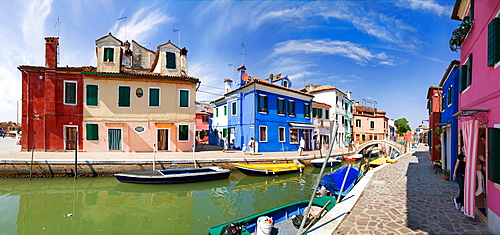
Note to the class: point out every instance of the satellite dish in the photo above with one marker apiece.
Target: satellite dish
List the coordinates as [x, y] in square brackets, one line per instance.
[244, 77]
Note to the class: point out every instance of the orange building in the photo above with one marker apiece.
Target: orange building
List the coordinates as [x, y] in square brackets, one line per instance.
[369, 124]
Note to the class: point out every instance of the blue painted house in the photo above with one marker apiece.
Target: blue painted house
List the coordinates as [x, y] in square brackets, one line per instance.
[268, 110]
[449, 125]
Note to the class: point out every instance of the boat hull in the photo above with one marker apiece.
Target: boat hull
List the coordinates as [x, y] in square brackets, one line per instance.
[268, 169]
[330, 163]
[279, 214]
[174, 176]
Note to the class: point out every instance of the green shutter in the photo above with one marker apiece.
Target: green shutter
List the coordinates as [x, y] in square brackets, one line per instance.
[170, 60]
[463, 77]
[70, 93]
[109, 54]
[224, 132]
[92, 94]
[494, 155]
[184, 98]
[154, 97]
[469, 71]
[233, 108]
[124, 96]
[494, 42]
[183, 132]
[92, 131]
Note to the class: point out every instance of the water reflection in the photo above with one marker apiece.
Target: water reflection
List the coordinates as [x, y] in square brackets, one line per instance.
[104, 205]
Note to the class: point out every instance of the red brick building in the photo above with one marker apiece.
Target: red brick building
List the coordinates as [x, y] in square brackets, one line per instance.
[51, 106]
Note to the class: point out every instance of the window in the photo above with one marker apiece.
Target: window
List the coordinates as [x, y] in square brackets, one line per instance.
[281, 106]
[225, 110]
[307, 110]
[372, 124]
[327, 113]
[320, 113]
[343, 120]
[123, 96]
[494, 42]
[285, 83]
[171, 60]
[493, 154]
[466, 74]
[281, 134]
[92, 131]
[224, 133]
[204, 118]
[216, 112]
[70, 92]
[109, 54]
[183, 132]
[233, 108]
[291, 108]
[262, 105]
[184, 98]
[358, 122]
[154, 97]
[92, 95]
[294, 136]
[139, 129]
[315, 112]
[263, 134]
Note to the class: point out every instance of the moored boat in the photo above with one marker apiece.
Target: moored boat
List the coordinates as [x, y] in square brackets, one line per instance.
[174, 175]
[269, 169]
[354, 157]
[331, 162]
[283, 219]
[337, 182]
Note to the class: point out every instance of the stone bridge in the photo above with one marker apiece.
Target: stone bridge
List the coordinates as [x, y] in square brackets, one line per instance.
[390, 144]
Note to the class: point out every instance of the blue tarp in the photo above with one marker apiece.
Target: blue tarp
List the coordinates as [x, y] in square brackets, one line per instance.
[333, 181]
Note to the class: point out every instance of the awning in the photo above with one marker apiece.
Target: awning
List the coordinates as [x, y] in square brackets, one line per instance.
[301, 125]
[469, 112]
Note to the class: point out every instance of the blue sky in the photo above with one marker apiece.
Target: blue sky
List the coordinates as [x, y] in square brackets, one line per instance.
[385, 51]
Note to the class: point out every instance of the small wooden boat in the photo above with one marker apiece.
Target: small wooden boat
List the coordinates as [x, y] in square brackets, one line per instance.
[282, 218]
[334, 182]
[354, 157]
[379, 161]
[269, 169]
[174, 175]
[331, 162]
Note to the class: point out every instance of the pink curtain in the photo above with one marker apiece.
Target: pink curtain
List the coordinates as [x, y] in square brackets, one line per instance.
[470, 131]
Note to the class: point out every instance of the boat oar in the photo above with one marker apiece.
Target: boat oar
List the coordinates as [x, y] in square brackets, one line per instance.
[316, 217]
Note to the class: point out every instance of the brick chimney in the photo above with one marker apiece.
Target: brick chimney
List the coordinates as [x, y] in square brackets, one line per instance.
[51, 44]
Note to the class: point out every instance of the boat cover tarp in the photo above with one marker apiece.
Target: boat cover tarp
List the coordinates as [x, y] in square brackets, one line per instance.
[333, 181]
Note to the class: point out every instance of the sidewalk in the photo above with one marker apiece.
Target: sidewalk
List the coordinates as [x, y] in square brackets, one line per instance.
[407, 198]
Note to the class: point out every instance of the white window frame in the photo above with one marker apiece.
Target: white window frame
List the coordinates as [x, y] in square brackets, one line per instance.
[267, 136]
[159, 97]
[168, 138]
[189, 98]
[179, 129]
[104, 54]
[282, 130]
[118, 97]
[284, 107]
[176, 62]
[121, 137]
[76, 92]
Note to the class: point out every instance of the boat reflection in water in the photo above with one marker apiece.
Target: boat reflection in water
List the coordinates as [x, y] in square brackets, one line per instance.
[104, 205]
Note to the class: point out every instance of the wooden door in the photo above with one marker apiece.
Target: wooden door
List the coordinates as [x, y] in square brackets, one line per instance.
[71, 138]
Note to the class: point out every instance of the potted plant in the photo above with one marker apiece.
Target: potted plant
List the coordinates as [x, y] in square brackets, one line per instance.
[446, 174]
[438, 147]
[459, 34]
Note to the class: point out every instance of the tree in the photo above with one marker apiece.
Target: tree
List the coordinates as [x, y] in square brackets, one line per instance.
[403, 126]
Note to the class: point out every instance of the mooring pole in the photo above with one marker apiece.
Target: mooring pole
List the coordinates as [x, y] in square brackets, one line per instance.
[76, 155]
[32, 153]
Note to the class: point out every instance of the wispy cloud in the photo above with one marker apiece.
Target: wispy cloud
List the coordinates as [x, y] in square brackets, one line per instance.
[350, 50]
[427, 5]
[141, 25]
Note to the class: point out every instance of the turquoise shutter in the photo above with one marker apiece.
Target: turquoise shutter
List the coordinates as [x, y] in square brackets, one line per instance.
[469, 71]
[463, 77]
[92, 131]
[109, 54]
[92, 94]
[184, 99]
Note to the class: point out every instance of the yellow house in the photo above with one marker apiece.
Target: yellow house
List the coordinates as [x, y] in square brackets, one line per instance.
[138, 100]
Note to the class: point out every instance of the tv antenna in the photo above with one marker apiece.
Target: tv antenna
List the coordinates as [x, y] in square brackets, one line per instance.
[57, 22]
[178, 35]
[242, 53]
[126, 20]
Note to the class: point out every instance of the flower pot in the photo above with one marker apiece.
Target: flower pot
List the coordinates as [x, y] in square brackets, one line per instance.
[446, 177]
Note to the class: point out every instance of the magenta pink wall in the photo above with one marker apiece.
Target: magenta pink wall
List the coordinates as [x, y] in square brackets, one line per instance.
[484, 92]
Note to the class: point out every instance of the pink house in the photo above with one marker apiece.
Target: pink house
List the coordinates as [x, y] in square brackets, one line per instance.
[369, 124]
[479, 112]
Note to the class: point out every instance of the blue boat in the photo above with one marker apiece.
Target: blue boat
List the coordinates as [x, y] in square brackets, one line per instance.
[174, 176]
[333, 182]
[331, 162]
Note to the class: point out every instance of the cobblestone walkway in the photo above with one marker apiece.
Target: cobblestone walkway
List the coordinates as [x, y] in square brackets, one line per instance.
[409, 198]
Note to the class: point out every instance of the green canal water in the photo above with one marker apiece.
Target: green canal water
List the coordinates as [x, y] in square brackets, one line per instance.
[106, 206]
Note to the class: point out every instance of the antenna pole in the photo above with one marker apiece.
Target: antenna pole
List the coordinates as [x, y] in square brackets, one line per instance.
[178, 35]
[126, 21]
[242, 54]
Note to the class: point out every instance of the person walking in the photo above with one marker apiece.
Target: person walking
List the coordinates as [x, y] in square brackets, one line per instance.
[302, 145]
[226, 145]
[458, 175]
[251, 145]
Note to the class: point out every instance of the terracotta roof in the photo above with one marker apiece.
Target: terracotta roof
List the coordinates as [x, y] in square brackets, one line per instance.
[143, 74]
[314, 103]
[265, 82]
[228, 80]
[242, 67]
[169, 42]
[326, 88]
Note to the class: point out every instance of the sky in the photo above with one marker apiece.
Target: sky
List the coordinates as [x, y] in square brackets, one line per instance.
[387, 53]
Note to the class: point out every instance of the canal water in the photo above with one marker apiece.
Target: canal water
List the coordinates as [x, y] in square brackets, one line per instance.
[106, 206]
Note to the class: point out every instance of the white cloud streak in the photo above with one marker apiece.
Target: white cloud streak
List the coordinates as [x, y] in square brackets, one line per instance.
[350, 50]
[427, 5]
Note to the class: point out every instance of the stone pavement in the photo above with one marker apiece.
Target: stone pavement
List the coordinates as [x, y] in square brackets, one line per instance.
[409, 198]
